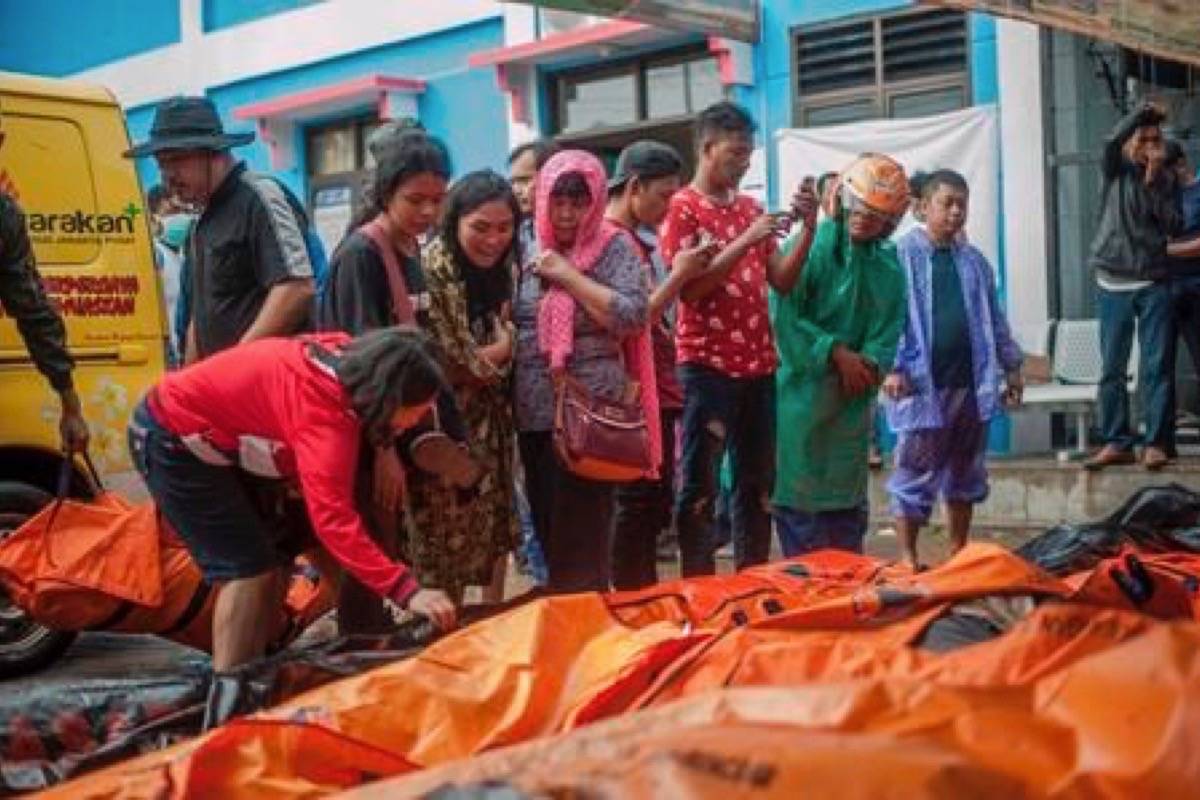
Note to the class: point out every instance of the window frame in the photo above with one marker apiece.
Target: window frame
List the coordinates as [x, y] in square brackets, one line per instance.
[358, 123]
[882, 92]
[638, 65]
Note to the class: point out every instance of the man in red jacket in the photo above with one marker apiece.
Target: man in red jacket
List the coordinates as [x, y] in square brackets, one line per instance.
[291, 410]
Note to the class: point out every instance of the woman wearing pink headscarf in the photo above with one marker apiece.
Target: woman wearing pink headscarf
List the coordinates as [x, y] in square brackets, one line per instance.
[580, 306]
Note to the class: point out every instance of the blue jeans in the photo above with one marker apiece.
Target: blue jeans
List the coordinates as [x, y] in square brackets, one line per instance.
[1150, 309]
[802, 532]
[721, 413]
[529, 551]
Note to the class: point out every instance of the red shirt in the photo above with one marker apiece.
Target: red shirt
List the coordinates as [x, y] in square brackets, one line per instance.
[270, 401]
[729, 330]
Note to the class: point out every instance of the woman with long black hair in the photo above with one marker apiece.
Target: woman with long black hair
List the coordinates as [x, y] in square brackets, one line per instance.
[294, 410]
[460, 538]
[376, 280]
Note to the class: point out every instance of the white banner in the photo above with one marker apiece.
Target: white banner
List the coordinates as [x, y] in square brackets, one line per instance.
[966, 141]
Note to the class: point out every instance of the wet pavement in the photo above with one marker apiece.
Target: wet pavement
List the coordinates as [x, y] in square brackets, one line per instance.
[95, 658]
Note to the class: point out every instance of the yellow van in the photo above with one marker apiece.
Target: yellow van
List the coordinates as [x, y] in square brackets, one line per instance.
[61, 160]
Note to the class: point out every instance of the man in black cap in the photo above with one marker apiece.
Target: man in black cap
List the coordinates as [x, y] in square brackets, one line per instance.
[647, 174]
[40, 326]
[251, 276]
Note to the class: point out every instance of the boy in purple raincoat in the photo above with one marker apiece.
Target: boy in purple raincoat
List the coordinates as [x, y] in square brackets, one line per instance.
[956, 367]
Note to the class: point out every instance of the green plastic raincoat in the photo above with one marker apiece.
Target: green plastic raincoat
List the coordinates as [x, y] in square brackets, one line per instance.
[850, 294]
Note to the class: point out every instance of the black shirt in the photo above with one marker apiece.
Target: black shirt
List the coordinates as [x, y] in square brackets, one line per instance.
[358, 298]
[249, 238]
[952, 363]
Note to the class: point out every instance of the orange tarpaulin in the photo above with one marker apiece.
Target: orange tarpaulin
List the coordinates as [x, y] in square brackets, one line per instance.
[71, 553]
[1121, 722]
[722, 600]
[1033, 708]
[108, 564]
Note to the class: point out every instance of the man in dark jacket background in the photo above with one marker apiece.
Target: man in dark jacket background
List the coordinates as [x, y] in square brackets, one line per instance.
[1129, 255]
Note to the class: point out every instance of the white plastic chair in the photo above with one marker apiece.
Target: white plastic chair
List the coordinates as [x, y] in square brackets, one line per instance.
[1076, 366]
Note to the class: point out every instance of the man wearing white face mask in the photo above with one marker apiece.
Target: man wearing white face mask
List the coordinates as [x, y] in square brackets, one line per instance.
[171, 228]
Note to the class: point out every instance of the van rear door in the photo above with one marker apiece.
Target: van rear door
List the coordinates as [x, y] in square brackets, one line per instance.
[61, 159]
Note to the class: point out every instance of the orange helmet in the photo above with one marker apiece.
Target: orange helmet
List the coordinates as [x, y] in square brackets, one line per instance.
[878, 182]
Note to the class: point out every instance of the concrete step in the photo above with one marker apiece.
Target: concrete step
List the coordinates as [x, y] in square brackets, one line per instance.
[1035, 493]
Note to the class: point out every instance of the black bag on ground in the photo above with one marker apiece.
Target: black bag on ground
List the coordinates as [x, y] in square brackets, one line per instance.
[1155, 519]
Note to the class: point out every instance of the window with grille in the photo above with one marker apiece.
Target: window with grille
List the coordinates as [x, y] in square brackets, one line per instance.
[908, 64]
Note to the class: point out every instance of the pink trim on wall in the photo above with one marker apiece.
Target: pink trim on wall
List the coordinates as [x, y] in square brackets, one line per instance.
[520, 104]
[720, 48]
[365, 86]
[557, 43]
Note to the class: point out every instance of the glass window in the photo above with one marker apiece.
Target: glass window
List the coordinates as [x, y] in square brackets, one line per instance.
[704, 83]
[333, 150]
[663, 87]
[927, 103]
[600, 101]
[682, 88]
[839, 113]
[908, 64]
[365, 131]
[666, 90]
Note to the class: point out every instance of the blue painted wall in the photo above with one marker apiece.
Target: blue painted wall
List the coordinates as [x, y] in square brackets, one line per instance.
[218, 14]
[138, 121]
[58, 37]
[771, 99]
[460, 105]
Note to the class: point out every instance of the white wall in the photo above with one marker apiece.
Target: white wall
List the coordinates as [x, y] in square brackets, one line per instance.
[282, 41]
[1023, 160]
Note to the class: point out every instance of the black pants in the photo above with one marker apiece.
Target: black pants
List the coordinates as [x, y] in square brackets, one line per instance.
[643, 511]
[572, 517]
[723, 414]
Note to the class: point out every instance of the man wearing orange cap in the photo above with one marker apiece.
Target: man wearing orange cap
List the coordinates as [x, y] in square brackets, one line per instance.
[836, 333]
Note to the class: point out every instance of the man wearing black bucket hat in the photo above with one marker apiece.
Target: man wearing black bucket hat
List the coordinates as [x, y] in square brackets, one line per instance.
[251, 276]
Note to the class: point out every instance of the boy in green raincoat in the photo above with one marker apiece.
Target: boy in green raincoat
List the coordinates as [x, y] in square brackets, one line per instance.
[836, 333]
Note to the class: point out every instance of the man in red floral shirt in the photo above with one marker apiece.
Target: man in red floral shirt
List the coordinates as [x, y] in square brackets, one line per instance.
[726, 351]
